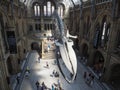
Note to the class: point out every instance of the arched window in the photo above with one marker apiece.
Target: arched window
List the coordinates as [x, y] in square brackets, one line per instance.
[96, 36]
[49, 8]
[45, 11]
[104, 32]
[53, 8]
[61, 10]
[37, 9]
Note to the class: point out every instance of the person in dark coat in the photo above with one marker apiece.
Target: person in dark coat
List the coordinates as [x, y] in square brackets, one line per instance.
[37, 85]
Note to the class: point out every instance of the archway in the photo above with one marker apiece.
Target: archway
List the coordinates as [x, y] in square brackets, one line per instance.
[9, 66]
[35, 46]
[98, 63]
[115, 76]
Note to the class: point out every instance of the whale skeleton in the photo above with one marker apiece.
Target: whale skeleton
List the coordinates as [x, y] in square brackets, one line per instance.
[66, 50]
[68, 55]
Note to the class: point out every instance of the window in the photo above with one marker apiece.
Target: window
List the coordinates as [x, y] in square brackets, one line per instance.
[53, 9]
[49, 8]
[61, 14]
[103, 32]
[45, 11]
[45, 26]
[12, 42]
[37, 10]
[51, 26]
[61, 11]
[96, 36]
[37, 27]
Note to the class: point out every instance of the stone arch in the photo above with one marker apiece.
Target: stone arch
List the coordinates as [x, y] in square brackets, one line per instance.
[63, 5]
[100, 16]
[115, 76]
[98, 63]
[36, 46]
[32, 7]
[9, 65]
[103, 31]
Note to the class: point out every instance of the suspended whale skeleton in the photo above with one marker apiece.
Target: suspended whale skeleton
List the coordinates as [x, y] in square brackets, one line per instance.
[66, 50]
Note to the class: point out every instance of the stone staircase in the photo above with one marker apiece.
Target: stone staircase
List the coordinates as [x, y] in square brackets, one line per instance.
[51, 53]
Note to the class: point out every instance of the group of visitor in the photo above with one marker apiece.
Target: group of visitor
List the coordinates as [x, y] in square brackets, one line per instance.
[89, 78]
[54, 86]
[55, 73]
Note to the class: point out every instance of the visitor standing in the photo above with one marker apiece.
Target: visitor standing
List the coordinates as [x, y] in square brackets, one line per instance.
[47, 65]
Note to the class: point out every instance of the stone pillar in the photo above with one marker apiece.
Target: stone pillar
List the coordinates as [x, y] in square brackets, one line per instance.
[91, 50]
[15, 64]
[3, 80]
[43, 42]
[80, 33]
[42, 24]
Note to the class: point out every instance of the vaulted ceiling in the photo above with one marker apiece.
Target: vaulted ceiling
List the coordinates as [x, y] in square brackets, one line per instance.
[66, 2]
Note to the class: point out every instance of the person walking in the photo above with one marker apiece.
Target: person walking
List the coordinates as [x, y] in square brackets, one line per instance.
[37, 85]
[53, 87]
[44, 86]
